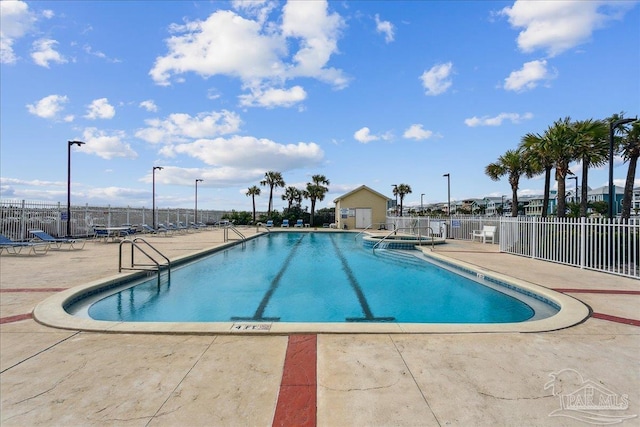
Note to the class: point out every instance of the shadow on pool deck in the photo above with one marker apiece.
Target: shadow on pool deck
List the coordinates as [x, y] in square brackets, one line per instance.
[58, 377]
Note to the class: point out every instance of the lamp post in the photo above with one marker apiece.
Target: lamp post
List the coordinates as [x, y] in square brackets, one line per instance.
[448, 193]
[153, 203]
[395, 192]
[612, 190]
[421, 208]
[502, 206]
[196, 209]
[70, 143]
[576, 195]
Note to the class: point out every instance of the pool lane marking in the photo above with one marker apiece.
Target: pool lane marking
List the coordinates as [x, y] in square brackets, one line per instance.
[259, 314]
[297, 398]
[364, 304]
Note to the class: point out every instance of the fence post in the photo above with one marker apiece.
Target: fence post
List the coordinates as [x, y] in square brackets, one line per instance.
[23, 214]
[534, 238]
[583, 241]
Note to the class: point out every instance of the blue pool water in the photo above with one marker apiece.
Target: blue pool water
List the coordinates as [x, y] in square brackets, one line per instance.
[310, 277]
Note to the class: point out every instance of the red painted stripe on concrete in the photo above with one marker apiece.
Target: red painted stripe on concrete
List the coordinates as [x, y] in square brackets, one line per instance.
[297, 399]
[616, 319]
[597, 291]
[16, 318]
[33, 290]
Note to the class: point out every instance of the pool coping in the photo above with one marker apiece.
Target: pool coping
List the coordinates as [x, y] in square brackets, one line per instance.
[51, 312]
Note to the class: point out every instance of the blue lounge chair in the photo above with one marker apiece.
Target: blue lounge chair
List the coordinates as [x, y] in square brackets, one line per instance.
[150, 230]
[15, 248]
[285, 223]
[57, 243]
[299, 223]
[269, 223]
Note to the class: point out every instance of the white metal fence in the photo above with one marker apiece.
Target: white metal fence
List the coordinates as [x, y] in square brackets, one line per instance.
[17, 217]
[591, 243]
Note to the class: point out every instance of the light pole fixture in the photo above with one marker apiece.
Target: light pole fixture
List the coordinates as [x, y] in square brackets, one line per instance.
[612, 190]
[395, 192]
[421, 208]
[70, 143]
[576, 195]
[196, 209]
[153, 197]
[448, 193]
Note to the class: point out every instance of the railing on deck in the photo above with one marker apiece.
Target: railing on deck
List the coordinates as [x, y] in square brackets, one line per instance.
[591, 243]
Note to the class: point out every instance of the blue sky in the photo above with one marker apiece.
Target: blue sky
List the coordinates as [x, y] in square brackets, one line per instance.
[364, 92]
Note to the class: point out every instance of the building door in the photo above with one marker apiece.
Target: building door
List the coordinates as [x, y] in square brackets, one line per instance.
[363, 217]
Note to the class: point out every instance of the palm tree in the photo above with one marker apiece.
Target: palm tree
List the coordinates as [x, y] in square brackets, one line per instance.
[562, 148]
[630, 148]
[592, 148]
[401, 190]
[253, 192]
[316, 189]
[292, 195]
[272, 179]
[536, 151]
[513, 164]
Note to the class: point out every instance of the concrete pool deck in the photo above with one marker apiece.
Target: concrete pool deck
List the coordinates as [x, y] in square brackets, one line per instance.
[68, 377]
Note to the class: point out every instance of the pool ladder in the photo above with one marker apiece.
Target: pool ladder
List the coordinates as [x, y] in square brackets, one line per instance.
[235, 230]
[138, 243]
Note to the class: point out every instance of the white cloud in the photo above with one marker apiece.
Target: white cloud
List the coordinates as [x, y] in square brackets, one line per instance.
[529, 76]
[250, 153]
[270, 98]
[416, 132]
[255, 51]
[15, 21]
[44, 52]
[100, 109]
[149, 105]
[48, 107]
[364, 135]
[497, 120]
[180, 127]
[48, 14]
[386, 28]
[106, 146]
[556, 26]
[437, 79]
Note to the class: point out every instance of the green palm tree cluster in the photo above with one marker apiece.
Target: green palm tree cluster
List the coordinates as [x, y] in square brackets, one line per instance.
[314, 191]
[564, 142]
[400, 191]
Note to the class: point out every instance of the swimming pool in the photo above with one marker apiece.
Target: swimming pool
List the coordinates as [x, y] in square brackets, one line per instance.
[361, 309]
[314, 277]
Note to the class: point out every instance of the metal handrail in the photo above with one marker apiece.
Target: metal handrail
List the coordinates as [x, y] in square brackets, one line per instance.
[134, 244]
[365, 229]
[259, 224]
[235, 230]
[402, 228]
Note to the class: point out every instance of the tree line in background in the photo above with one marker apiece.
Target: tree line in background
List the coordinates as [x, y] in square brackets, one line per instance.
[314, 191]
[566, 141]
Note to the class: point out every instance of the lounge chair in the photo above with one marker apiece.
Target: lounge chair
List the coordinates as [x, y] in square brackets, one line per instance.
[299, 223]
[285, 223]
[58, 243]
[15, 248]
[150, 230]
[269, 223]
